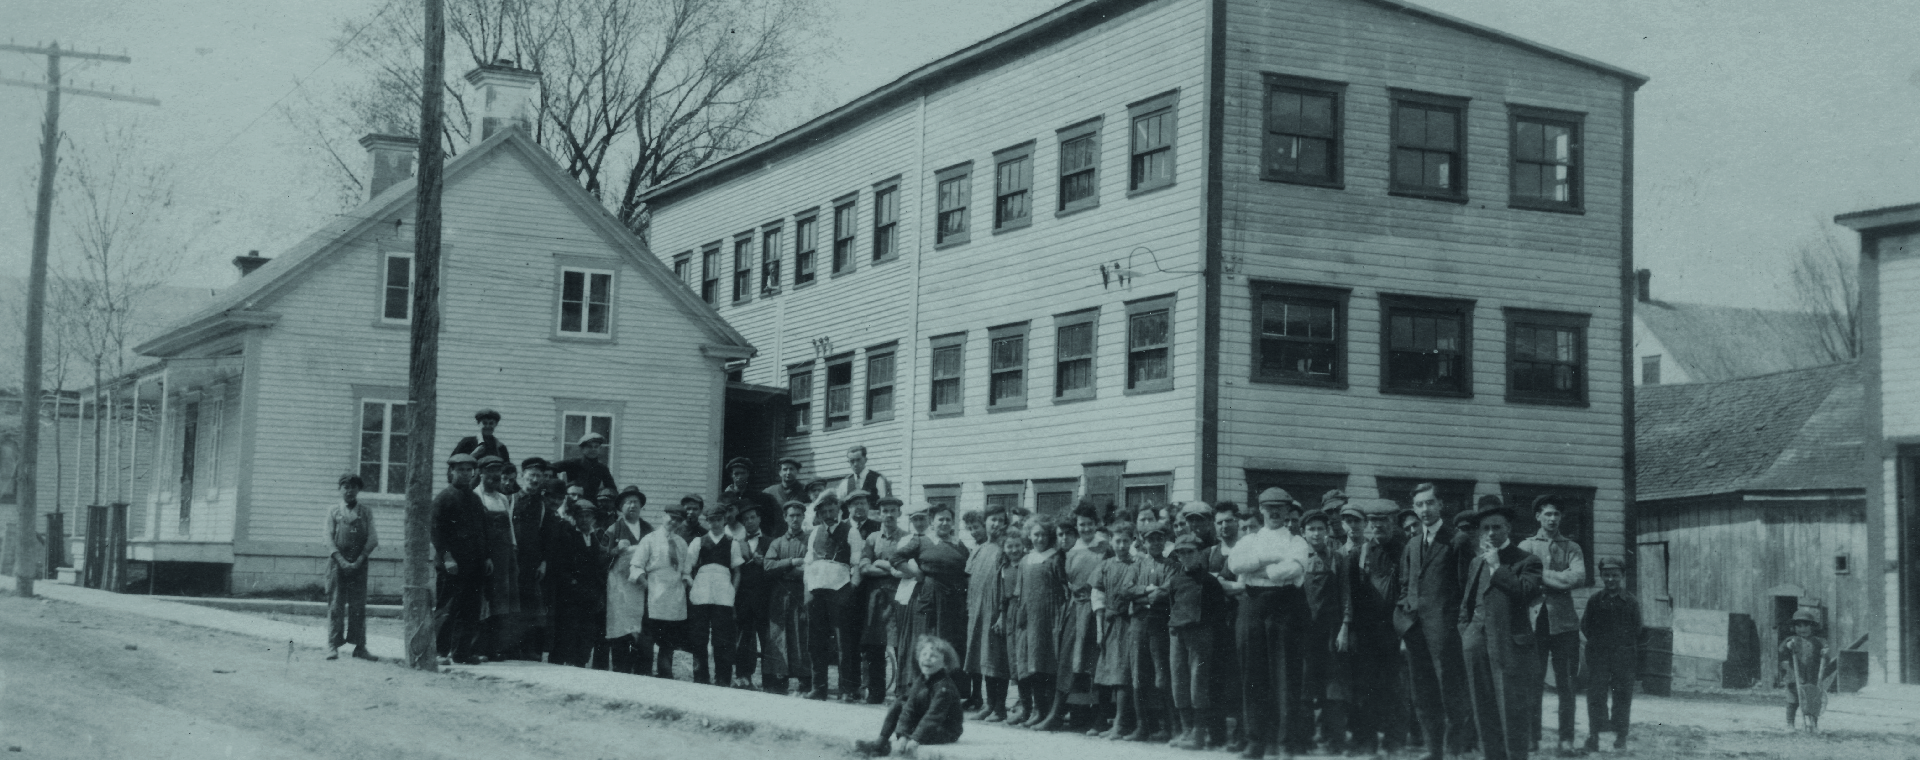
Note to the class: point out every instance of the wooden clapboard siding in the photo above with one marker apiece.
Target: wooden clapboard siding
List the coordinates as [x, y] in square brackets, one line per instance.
[1026, 274]
[1361, 238]
[1899, 333]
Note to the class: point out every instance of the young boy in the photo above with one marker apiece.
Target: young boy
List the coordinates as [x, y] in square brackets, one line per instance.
[716, 575]
[1116, 658]
[351, 533]
[1152, 629]
[786, 650]
[1328, 634]
[1805, 665]
[1612, 627]
[1196, 602]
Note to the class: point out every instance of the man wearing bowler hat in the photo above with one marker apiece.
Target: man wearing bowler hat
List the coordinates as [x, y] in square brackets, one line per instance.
[1497, 639]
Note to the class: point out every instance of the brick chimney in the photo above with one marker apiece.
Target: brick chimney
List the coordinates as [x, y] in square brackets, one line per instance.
[1643, 284]
[392, 160]
[506, 94]
[246, 264]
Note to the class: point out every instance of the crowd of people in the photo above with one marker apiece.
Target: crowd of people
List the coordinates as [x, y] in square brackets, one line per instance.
[1358, 627]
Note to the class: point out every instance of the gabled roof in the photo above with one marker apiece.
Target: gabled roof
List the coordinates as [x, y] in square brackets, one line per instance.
[242, 304]
[1715, 343]
[1002, 46]
[1795, 430]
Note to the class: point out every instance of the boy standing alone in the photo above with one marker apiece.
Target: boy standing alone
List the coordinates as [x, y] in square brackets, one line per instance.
[1612, 626]
[350, 531]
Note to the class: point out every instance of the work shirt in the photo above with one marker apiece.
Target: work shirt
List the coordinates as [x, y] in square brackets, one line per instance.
[830, 555]
[661, 560]
[350, 531]
[713, 565]
[1270, 558]
[1612, 621]
[1566, 570]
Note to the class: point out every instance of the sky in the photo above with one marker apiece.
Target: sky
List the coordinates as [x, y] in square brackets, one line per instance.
[1763, 119]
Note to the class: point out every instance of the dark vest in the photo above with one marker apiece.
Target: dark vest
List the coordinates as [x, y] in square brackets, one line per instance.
[833, 545]
[870, 483]
[715, 553]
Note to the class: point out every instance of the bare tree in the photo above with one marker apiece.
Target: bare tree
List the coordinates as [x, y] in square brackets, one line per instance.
[635, 92]
[1826, 282]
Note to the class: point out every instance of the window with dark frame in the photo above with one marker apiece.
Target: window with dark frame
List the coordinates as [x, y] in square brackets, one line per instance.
[1149, 345]
[710, 274]
[586, 302]
[1546, 356]
[681, 264]
[839, 391]
[886, 222]
[1151, 143]
[1055, 498]
[1073, 348]
[1009, 495]
[383, 444]
[1650, 370]
[397, 303]
[1300, 334]
[1429, 146]
[1427, 346]
[943, 495]
[743, 268]
[843, 232]
[880, 383]
[576, 425]
[955, 190]
[1013, 187]
[770, 260]
[805, 229]
[800, 400]
[1007, 367]
[1303, 129]
[948, 364]
[1079, 166]
[1545, 158]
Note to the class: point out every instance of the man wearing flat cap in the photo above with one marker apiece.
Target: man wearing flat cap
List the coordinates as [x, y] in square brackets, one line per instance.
[790, 489]
[1271, 563]
[484, 444]
[1378, 719]
[460, 544]
[740, 489]
[589, 470]
[1612, 626]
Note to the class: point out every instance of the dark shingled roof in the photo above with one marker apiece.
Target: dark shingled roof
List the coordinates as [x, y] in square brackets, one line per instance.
[1798, 429]
[1718, 343]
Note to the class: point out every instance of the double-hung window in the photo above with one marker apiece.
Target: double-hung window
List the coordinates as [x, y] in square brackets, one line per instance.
[1013, 187]
[1427, 346]
[710, 273]
[586, 302]
[576, 424]
[1545, 158]
[800, 399]
[954, 190]
[743, 267]
[681, 265]
[1150, 345]
[383, 445]
[805, 231]
[1429, 146]
[843, 234]
[1073, 341]
[886, 222]
[397, 289]
[1079, 166]
[1007, 367]
[880, 382]
[1152, 142]
[1546, 357]
[1299, 334]
[948, 365]
[1303, 131]
[770, 260]
[839, 391]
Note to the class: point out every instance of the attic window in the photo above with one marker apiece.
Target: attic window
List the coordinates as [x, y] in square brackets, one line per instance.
[1842, 564]
[586, 302]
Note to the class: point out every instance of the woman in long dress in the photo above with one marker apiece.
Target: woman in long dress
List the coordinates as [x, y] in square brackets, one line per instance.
[986, 647]
[1079, 632]
[939, 601]
[1043, 595]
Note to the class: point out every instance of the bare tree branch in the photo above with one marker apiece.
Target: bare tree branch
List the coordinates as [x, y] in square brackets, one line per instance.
[1826, 282]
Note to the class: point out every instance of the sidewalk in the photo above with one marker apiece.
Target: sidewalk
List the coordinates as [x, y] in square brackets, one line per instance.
[1881, 709]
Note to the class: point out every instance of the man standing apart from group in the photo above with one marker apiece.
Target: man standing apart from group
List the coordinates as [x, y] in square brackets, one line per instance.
[351, 533]
[1556, 623]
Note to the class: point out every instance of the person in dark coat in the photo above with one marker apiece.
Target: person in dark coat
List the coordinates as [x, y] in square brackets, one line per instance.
[576, 577]
[1196, 603]
[484, 445]
[1612, 628]
[460, 543]
[1427, 615]
[589, 471]
[531, 510]
[1327, 634]
[790, 489]
[1497, 638]
[1379, 696]
[751, 600]
[931, 712]
[740, 488]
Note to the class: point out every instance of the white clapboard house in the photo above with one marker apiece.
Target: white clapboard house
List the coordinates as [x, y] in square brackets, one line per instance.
[1150, 250]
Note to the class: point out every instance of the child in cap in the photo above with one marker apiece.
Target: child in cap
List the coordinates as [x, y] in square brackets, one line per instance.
[1196, 601]
[1806, 669]
[710, 616]
[1612, 628]
[351, 534]
[1150, 634]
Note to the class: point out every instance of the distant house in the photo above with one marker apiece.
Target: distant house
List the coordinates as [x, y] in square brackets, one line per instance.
[1701, 343]
[1750, 501]
[1890, 369]
[554, 315]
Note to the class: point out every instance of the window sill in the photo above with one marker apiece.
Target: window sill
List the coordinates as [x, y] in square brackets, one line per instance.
[799, 285]
[1299, 382]
[1429, 195]
[1076, 208]
[962, 240]
[888, 417]
[841, 273]
[886, 259]
[1331, 184]
[1020, 224]
[939, 415]
[801, 434]
[386, 324]
[1388, 390]
[1149, 189]
[1149, 389]
[1009, 407]
[832, 426]
[1057, 400]
[605, 340]
[1547, 206]
[1547, 401]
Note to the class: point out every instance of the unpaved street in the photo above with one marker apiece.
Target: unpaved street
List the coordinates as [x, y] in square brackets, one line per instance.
[78, 682]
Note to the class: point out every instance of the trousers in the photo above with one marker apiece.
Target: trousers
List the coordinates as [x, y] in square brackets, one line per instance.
[347, 608]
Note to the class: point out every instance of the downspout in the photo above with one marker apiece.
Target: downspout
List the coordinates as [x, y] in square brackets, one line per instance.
[1629, 286]
[1212, 278]
[911, 410]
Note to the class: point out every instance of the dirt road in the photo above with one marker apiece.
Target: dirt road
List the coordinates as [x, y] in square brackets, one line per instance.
[78, 682]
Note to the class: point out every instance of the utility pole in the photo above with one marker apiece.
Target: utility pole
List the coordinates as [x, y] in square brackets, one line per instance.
[423, 371]
[27, 480]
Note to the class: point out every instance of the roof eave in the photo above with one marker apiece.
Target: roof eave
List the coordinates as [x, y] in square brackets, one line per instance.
[200, 331]
[1871, 219]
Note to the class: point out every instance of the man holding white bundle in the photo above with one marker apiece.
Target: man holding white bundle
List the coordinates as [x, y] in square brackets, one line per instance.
[1271, 563]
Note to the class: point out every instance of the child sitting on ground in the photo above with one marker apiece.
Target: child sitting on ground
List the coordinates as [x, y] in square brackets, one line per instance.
[931, 713]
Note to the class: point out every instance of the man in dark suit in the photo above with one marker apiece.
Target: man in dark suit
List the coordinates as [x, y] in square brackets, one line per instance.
[1427, 616]
[483, 445]
[589, 472]
[1497, 638]
[1379, 720]
[460, 542]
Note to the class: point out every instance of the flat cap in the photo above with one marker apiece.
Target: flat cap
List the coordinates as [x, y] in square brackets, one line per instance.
[1381, 508]
[1188, 542]
[592, 438]
[492, 460]
[1316, 516]
[535, 462]
[1197, 509]
[791, 461]
[1613, 562]
[1352, 510]
[693, 498]
[857, 495]
[486, 414]
[888, 501]
[1275, 495]
[460, 459]
[739, 462]
[917, 509]
[1333, 499]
